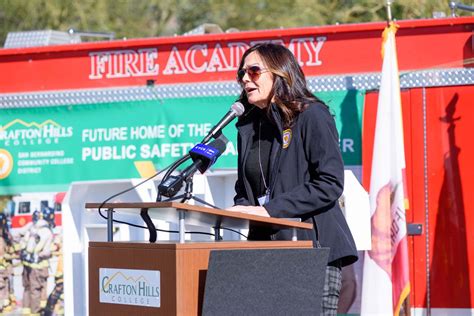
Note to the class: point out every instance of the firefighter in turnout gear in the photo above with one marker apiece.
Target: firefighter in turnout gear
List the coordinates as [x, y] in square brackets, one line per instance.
[7, 254]
[54, 305]
[35, 258]
[4, 283]
[9, 251]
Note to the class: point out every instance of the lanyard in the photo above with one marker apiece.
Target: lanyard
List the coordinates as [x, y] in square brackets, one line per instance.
[266, 197]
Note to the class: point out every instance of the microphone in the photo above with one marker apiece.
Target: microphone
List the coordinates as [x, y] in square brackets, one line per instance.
[237, 109]
[203, 156]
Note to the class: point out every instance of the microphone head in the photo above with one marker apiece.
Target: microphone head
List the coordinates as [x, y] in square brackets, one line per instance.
[207, 154]
[238, 108]
[219, 144]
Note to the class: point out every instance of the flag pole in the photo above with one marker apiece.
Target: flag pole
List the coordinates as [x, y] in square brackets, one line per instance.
[389, 11]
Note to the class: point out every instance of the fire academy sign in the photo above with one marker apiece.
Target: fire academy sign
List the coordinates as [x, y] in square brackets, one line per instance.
[197, 59]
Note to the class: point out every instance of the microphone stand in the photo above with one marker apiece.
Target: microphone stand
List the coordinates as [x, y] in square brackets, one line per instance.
[172, 187]
[175, 165]
[144, 211]
[188, 194]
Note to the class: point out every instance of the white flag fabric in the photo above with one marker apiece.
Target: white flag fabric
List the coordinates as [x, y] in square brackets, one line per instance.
[386, 279]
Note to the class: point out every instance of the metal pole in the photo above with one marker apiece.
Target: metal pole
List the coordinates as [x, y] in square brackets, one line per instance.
[456, 5]
[110, 225]
[389, 11]
[217, 233]
[294, 236]
[465, 7]
[181, 226]
[452, 6]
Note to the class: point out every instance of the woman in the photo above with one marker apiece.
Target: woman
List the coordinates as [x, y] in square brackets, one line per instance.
[290, 165]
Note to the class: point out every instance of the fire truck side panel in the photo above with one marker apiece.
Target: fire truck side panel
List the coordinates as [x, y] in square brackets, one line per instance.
[440, 179]
[450, 122]
[327, 50]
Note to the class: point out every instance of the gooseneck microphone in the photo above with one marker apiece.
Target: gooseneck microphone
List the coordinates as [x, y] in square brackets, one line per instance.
[236, 110]
[203, 155]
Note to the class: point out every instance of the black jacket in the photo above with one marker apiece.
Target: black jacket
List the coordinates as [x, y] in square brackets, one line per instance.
[306, 179]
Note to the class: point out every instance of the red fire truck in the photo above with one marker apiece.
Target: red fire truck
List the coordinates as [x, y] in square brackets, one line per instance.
[24, 205]
[436, 61]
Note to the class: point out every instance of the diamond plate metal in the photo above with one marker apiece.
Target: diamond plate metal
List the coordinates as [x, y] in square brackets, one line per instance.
[429, 78]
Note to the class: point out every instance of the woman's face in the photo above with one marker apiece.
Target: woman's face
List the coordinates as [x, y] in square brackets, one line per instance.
[257, 87]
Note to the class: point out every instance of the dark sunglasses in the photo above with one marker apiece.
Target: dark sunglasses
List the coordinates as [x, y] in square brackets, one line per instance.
[254, 73]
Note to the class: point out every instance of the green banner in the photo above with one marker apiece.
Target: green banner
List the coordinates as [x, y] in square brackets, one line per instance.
[45, 149]
[347, 107]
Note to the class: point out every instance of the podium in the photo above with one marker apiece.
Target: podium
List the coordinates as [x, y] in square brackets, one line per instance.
[167, 277]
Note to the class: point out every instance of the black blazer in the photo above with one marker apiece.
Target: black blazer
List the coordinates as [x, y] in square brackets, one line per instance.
[306, 179]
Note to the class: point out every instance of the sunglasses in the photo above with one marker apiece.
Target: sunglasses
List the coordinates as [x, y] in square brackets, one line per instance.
[254, 73]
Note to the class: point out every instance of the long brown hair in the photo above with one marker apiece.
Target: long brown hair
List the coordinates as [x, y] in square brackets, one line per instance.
[289, 91]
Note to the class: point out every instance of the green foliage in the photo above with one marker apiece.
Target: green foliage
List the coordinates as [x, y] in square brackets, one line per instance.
[127, 18]
[265, 14]
[147, 18]
[424, 9]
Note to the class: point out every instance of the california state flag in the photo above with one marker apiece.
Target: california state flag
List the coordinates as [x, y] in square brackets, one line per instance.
[386, 281]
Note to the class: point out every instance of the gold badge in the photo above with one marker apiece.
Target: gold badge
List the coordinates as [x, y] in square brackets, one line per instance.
[286, 138]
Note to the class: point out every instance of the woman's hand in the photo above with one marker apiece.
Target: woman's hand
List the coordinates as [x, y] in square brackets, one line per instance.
[254, 210]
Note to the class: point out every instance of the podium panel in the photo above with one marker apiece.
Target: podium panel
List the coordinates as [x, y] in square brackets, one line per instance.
[182, 268]
[265, 282]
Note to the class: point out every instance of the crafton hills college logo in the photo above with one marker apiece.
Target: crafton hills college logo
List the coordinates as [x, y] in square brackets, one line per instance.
[6, 163]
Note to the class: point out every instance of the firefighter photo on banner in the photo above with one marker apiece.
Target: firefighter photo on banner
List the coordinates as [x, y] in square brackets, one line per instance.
[31, 274]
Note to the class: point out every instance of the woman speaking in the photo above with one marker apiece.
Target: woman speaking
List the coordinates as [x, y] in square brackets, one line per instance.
[289, 162]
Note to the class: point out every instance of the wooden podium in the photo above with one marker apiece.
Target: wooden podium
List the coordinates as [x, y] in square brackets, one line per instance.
[182, 264]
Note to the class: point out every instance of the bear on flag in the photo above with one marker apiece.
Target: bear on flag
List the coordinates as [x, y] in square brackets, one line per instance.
[386, 282]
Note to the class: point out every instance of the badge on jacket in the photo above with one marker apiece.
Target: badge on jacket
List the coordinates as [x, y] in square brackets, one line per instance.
[286, 138]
